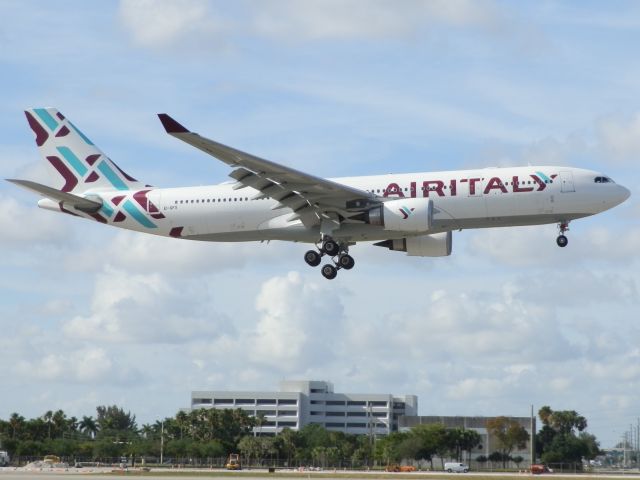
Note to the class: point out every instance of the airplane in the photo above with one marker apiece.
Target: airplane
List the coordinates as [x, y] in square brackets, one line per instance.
[414, 213]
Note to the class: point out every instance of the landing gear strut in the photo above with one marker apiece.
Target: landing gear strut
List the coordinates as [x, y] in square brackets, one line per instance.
[339, 253]
[562, 240]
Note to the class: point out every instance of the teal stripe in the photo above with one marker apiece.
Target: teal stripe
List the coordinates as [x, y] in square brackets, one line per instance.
[46, 118]
[106, 209]
[74, 161]
[89, 142]
[543, 177]
[131, 209]
[106, 170]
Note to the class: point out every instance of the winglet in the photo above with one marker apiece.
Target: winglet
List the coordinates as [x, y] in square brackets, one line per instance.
[170, 125]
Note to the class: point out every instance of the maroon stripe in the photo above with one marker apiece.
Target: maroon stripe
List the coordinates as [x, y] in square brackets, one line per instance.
[91, 159]
[176, 232]
[141, 198]
[99, 217]
[93, 176]
[118, 199]
[120, 217]
[64, 131]
[41, 133]
[69, 177]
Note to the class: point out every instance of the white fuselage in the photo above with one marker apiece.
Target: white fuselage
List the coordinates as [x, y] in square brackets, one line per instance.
[491, 197]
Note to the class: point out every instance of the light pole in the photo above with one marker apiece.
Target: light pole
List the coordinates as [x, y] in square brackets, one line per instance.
[162, 443]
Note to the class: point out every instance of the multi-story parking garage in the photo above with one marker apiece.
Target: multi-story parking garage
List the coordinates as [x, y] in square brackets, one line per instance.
[300, 403]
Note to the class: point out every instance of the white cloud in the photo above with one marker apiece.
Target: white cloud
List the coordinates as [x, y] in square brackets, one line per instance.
[201, 24]
[89, 364]
[298, 321]
[28, 225]
[135, 308]
[168, 23]
[620, 137]
[345, 19]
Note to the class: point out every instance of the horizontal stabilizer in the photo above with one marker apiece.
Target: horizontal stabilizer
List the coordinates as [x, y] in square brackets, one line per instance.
[69, 199]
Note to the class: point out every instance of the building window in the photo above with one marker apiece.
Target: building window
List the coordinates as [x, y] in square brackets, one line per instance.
[357, 425]
[317, 390]
[284, 401]
[287, 413]
[317, 402]
[379, 414]
[317, 413]
[287, 424]
[356, 403]
[335, 402]
[206, 401]
[266, 401]
[266, 412]
[377, 404]
[245, 401]
[223, 401]
[356, 414]
[334, 414]
[334, 425]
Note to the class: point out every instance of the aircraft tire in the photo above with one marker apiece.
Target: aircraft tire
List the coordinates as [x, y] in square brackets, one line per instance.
[329, 271]
[331, 248]
[562, 241]
[312, 258]
[346, 261]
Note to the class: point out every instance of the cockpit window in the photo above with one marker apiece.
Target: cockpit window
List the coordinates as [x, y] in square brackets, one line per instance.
[603, 180]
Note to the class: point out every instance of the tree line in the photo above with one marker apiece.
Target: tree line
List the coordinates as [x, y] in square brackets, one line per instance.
[208, 436]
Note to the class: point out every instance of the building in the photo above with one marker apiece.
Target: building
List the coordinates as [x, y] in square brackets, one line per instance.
[300, 403]
[489, 443]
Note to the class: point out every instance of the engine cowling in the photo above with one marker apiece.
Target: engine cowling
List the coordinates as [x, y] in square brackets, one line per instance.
[403, 215]
[435, 245]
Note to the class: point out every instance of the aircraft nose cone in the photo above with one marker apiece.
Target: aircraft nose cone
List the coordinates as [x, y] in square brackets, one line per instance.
[624, 193]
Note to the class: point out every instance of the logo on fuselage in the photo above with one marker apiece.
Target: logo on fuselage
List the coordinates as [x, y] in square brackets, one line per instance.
[405, 211]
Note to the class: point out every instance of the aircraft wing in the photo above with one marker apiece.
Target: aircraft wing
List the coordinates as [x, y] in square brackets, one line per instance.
[81, 203]
[311, 198]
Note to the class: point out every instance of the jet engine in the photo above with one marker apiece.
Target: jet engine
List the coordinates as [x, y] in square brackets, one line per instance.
[436, 245]
[402, 215]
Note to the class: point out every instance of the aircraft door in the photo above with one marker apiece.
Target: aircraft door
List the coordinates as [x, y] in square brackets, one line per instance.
[566, 181]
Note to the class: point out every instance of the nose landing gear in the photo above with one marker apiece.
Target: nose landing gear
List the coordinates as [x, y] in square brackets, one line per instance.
[562, 240]
[339, 253]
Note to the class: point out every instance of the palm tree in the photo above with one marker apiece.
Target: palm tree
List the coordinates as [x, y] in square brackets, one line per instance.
[88, 426]
[47, 418]
[59, 420]
[16, 423]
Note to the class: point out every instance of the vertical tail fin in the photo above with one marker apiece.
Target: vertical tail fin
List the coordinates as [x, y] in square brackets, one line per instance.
[75, 163]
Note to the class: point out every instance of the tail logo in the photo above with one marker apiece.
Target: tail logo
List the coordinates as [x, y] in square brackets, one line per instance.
[406, 212]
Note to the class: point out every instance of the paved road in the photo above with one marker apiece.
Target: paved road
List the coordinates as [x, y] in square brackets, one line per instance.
[9, 473]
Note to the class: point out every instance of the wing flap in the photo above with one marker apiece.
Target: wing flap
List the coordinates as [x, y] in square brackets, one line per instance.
[276, 181]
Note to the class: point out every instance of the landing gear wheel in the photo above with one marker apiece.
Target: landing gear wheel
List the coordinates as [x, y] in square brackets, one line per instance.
[312, 258]
[346, 261]
[329, 271]
[562, 241]
[331, 248]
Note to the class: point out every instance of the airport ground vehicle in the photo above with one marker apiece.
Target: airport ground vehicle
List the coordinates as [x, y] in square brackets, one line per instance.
[456, 467]
[538, 469]
[394, 467]
[233, 462]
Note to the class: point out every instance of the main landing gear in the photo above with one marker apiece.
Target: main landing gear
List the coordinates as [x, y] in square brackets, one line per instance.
[338, 252]
[562, 240]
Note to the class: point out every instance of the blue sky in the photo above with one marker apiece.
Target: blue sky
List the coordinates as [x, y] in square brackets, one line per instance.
[92, 315]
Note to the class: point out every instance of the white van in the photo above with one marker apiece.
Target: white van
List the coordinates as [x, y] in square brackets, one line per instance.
[4, 459]
[456, 467]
